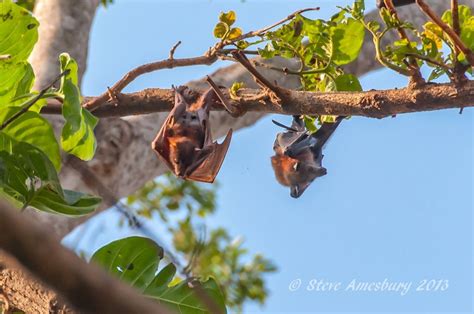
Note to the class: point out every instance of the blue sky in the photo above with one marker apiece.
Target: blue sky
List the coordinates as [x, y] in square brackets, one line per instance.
[396, 203]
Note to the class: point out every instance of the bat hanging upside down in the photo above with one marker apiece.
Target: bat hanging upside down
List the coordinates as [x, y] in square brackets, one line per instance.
[184, 141]
[298, 154]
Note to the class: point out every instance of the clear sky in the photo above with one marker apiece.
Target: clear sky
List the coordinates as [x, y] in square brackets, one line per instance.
[396, 203]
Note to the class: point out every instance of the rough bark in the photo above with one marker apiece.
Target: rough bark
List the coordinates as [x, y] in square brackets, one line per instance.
[124, 161]
[374, 104]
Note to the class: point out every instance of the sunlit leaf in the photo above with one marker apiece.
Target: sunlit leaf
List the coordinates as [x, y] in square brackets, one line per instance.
[227, 17]
[32, 128]
[77, 136]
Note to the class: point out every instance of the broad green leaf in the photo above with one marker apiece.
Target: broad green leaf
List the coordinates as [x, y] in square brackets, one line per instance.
[28, 177]
[348, 82]
[18, 31]
[70, 204]
[179, 297]
[227, 17]
[220, 30]
[136, 260]
[16, 79]
[77, 136]
[347, 39]
[32, 128]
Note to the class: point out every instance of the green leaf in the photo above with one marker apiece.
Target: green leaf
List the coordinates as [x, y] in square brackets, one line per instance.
[28, 177]
[348, 82]
[234, 89]
[234, 33]
[179, 297]
[16, 79]
[136, 261]
[267, 52]
[18, 31]
[71, 203]
[32, 128]
[227, 17]
[347, 41]
[310, 123]
[467, 33]
[220, 30]
[327, 119]
[77, 136]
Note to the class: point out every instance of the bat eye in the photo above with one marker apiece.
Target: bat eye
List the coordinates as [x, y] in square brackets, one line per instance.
[296, 166]
[193, 117]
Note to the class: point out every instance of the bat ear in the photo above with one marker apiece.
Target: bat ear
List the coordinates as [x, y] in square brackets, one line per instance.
[179, 95]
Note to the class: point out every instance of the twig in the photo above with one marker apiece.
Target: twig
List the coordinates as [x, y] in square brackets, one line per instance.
[84, 286]
[232, 110]
[266, 29]
[412, 65]
[448, 30]
[429, 60]
[173, 49]
[32, 101]
[207, 59]
[261, 80]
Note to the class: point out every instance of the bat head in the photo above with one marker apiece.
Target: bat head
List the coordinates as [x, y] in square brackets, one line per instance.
[296, 174]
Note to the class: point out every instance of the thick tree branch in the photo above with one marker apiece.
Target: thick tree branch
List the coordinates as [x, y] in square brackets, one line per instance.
[87, 287]
[374, 104]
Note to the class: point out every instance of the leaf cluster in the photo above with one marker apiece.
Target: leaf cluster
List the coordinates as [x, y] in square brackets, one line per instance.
[29, 152]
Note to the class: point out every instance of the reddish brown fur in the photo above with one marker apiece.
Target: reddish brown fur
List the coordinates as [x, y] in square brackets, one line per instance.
[283, 165]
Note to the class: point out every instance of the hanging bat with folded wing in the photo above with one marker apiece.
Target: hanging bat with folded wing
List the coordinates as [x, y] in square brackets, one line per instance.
[298, 154]
[184, 141]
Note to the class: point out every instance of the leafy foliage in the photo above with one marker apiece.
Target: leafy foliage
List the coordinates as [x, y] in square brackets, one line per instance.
[136, 261]
[427, 48]
[220, 256]
[320, 46]
[28, 178]
[29, 152]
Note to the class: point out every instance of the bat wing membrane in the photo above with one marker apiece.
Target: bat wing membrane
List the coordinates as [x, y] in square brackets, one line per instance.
[209, 163]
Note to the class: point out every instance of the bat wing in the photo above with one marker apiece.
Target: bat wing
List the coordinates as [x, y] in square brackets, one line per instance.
[325, 132]
[208, 164]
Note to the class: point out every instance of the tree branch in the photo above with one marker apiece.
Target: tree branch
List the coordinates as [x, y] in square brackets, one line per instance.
[374, 104]
[87, 287]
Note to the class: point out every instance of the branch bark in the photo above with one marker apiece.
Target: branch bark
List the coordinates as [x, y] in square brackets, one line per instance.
[374, 104]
